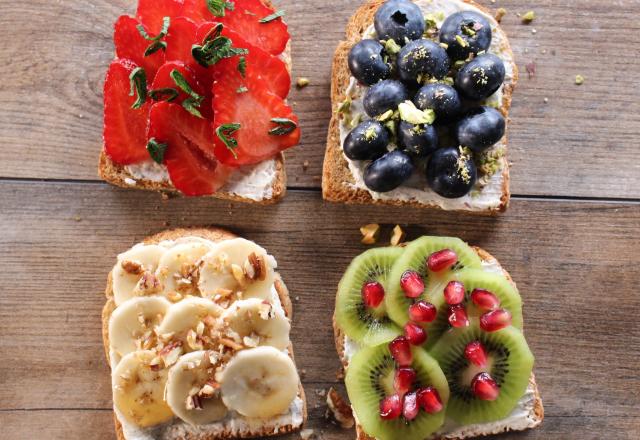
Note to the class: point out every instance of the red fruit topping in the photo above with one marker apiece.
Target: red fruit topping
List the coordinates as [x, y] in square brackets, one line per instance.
[458, 316]
[125, 128]
[391, 407]
[415, 334]
[403, 380]
[164, 80]
[429, 400]
[372, 294]
[412, 284]
[484, 387]
[495, 320]
[181, 37]
[400, 349]
[422, 311]
[151, 12]
[410, 406]
[484, 299]
[192, 170]
[474, 352]
[267, 124]
[131, 45]
[442, 260]
[454, 293]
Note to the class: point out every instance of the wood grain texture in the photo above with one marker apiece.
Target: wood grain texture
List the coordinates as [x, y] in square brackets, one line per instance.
[576, 264]
[582, 142]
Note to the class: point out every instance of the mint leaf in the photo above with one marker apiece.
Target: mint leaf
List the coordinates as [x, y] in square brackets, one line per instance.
[274, 16]
[156, 44]
[192, 103]
[156, 150]
[214, 48]
[225, 133]
[217, 7]
[138, 82]
[242, 66]
[164, 94]
[285, 126]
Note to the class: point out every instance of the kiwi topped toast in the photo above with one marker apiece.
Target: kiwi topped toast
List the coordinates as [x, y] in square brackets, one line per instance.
[433, 344]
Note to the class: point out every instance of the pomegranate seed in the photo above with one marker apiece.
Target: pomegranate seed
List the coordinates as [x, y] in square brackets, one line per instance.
[495, 320]
[429, 400]
[484, 299]
[474, 352]
[412, 284]
[422, 311]
[442, 260]
[484, 387]
[372, 294]
[410, 406]
[454, 293]
[415, 334]
[391, 407]
[403, 380]
[400, 349]
[458, 316]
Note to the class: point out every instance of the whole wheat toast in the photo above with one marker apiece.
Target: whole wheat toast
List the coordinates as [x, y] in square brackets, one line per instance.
[536, 415]
[215, 235]
[337, 179]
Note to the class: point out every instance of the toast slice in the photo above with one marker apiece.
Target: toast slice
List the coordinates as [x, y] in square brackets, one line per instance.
[231, 430]
[338, 182]
[528, 421]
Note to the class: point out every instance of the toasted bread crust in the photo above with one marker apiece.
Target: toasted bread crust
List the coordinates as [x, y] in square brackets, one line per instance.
[215, 235]
[337, 180]
[538, 410]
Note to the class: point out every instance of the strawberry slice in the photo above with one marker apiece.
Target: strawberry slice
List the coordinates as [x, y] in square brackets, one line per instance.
[151, 12]
[163, 82]
[180, 39]
[192, 171]
[125, 128]
[258, 138]
[131, 45]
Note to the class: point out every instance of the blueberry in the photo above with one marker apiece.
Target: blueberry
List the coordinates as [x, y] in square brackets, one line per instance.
[442, 99]
[480, 77]
[417, 140]
[384, 96]
[469, 28]
[388, 172]
[451, 174]
[367, 141]
[480, 128]
[399, 19]
[422, 57]
[366, 63]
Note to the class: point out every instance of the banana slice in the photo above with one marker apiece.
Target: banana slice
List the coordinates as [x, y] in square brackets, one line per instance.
[177, 269]
[131, 266]
[259, 382]
[138, 390]
[258, 323]
[192, 392]
[131, 325]
[237, 265]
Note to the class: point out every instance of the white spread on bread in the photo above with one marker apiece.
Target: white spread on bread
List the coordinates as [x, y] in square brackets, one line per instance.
[416, 189]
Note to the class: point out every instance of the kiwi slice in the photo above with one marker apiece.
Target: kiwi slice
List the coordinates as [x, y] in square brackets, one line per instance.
[415, 258]
[369, 379]
[509, 363]
[366, 325]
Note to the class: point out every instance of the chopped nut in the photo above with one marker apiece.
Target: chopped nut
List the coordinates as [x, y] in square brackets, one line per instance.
[231, 344]
[171, 353]
[194, 402]
[200, 328]
[340, 410]
[251, 341]
[238, 274]
[266, 311]
[174, 296]
[255, 267]
[148, 284]
[303, 82]
[306, 434]
[528, 17]
[132, 267]
[579, 80]
[370, 233]
[207, 391]
[397, 236]
[500, 13]
[193, 341]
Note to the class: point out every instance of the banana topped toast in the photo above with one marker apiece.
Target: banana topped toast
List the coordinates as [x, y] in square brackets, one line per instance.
[196, 332]
[431, 339]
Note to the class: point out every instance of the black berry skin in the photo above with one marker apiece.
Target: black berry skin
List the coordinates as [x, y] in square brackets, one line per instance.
[422, 57]
[442, 99]
[366, 63]
[367, 141]
[469, 27]
[481, 77]
[388, 172]
[384, 96]
[399, 19]
[417, 140]
[480, 128]
[450, 175]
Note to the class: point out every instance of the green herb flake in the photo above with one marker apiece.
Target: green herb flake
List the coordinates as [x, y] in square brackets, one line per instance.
[385, 116]
[156, 44]
[164, 94]
[156, 150]
[463, 169]
[528, 17]
[225, 133]
[274, 16]
[214, 48]
[192, 103]
[391, 46]
[242, 66]
[345, 106]
[370, 134]
[138, 81]
[285, 126]
[217, 7]
[242, 89]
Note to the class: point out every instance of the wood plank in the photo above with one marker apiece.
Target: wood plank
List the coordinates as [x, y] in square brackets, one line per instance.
[575, 264]
[580, 143]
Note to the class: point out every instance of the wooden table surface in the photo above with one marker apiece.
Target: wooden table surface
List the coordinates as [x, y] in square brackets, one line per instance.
[570, 238]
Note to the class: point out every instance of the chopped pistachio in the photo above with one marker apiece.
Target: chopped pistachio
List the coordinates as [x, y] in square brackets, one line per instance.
[391, 46]
[448, 80]
[445, 46]
[458, 64]
[410, 113]
[391, 126]
[465, 157]
[579, 80]
[303, 82]
[397, 236]
[490, 161]
[370, 233]
[385, 116]
[356, 120]
[461, 41]
[501, 12]
[528, 17]
[370, 133]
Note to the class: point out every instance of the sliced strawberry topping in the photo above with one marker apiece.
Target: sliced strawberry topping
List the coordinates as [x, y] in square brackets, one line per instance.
[198, 11]
[192, 171]
[165, 88]
[125, 128]
[131, 45]
[183, 34]
[151, 12]
[267, 124]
